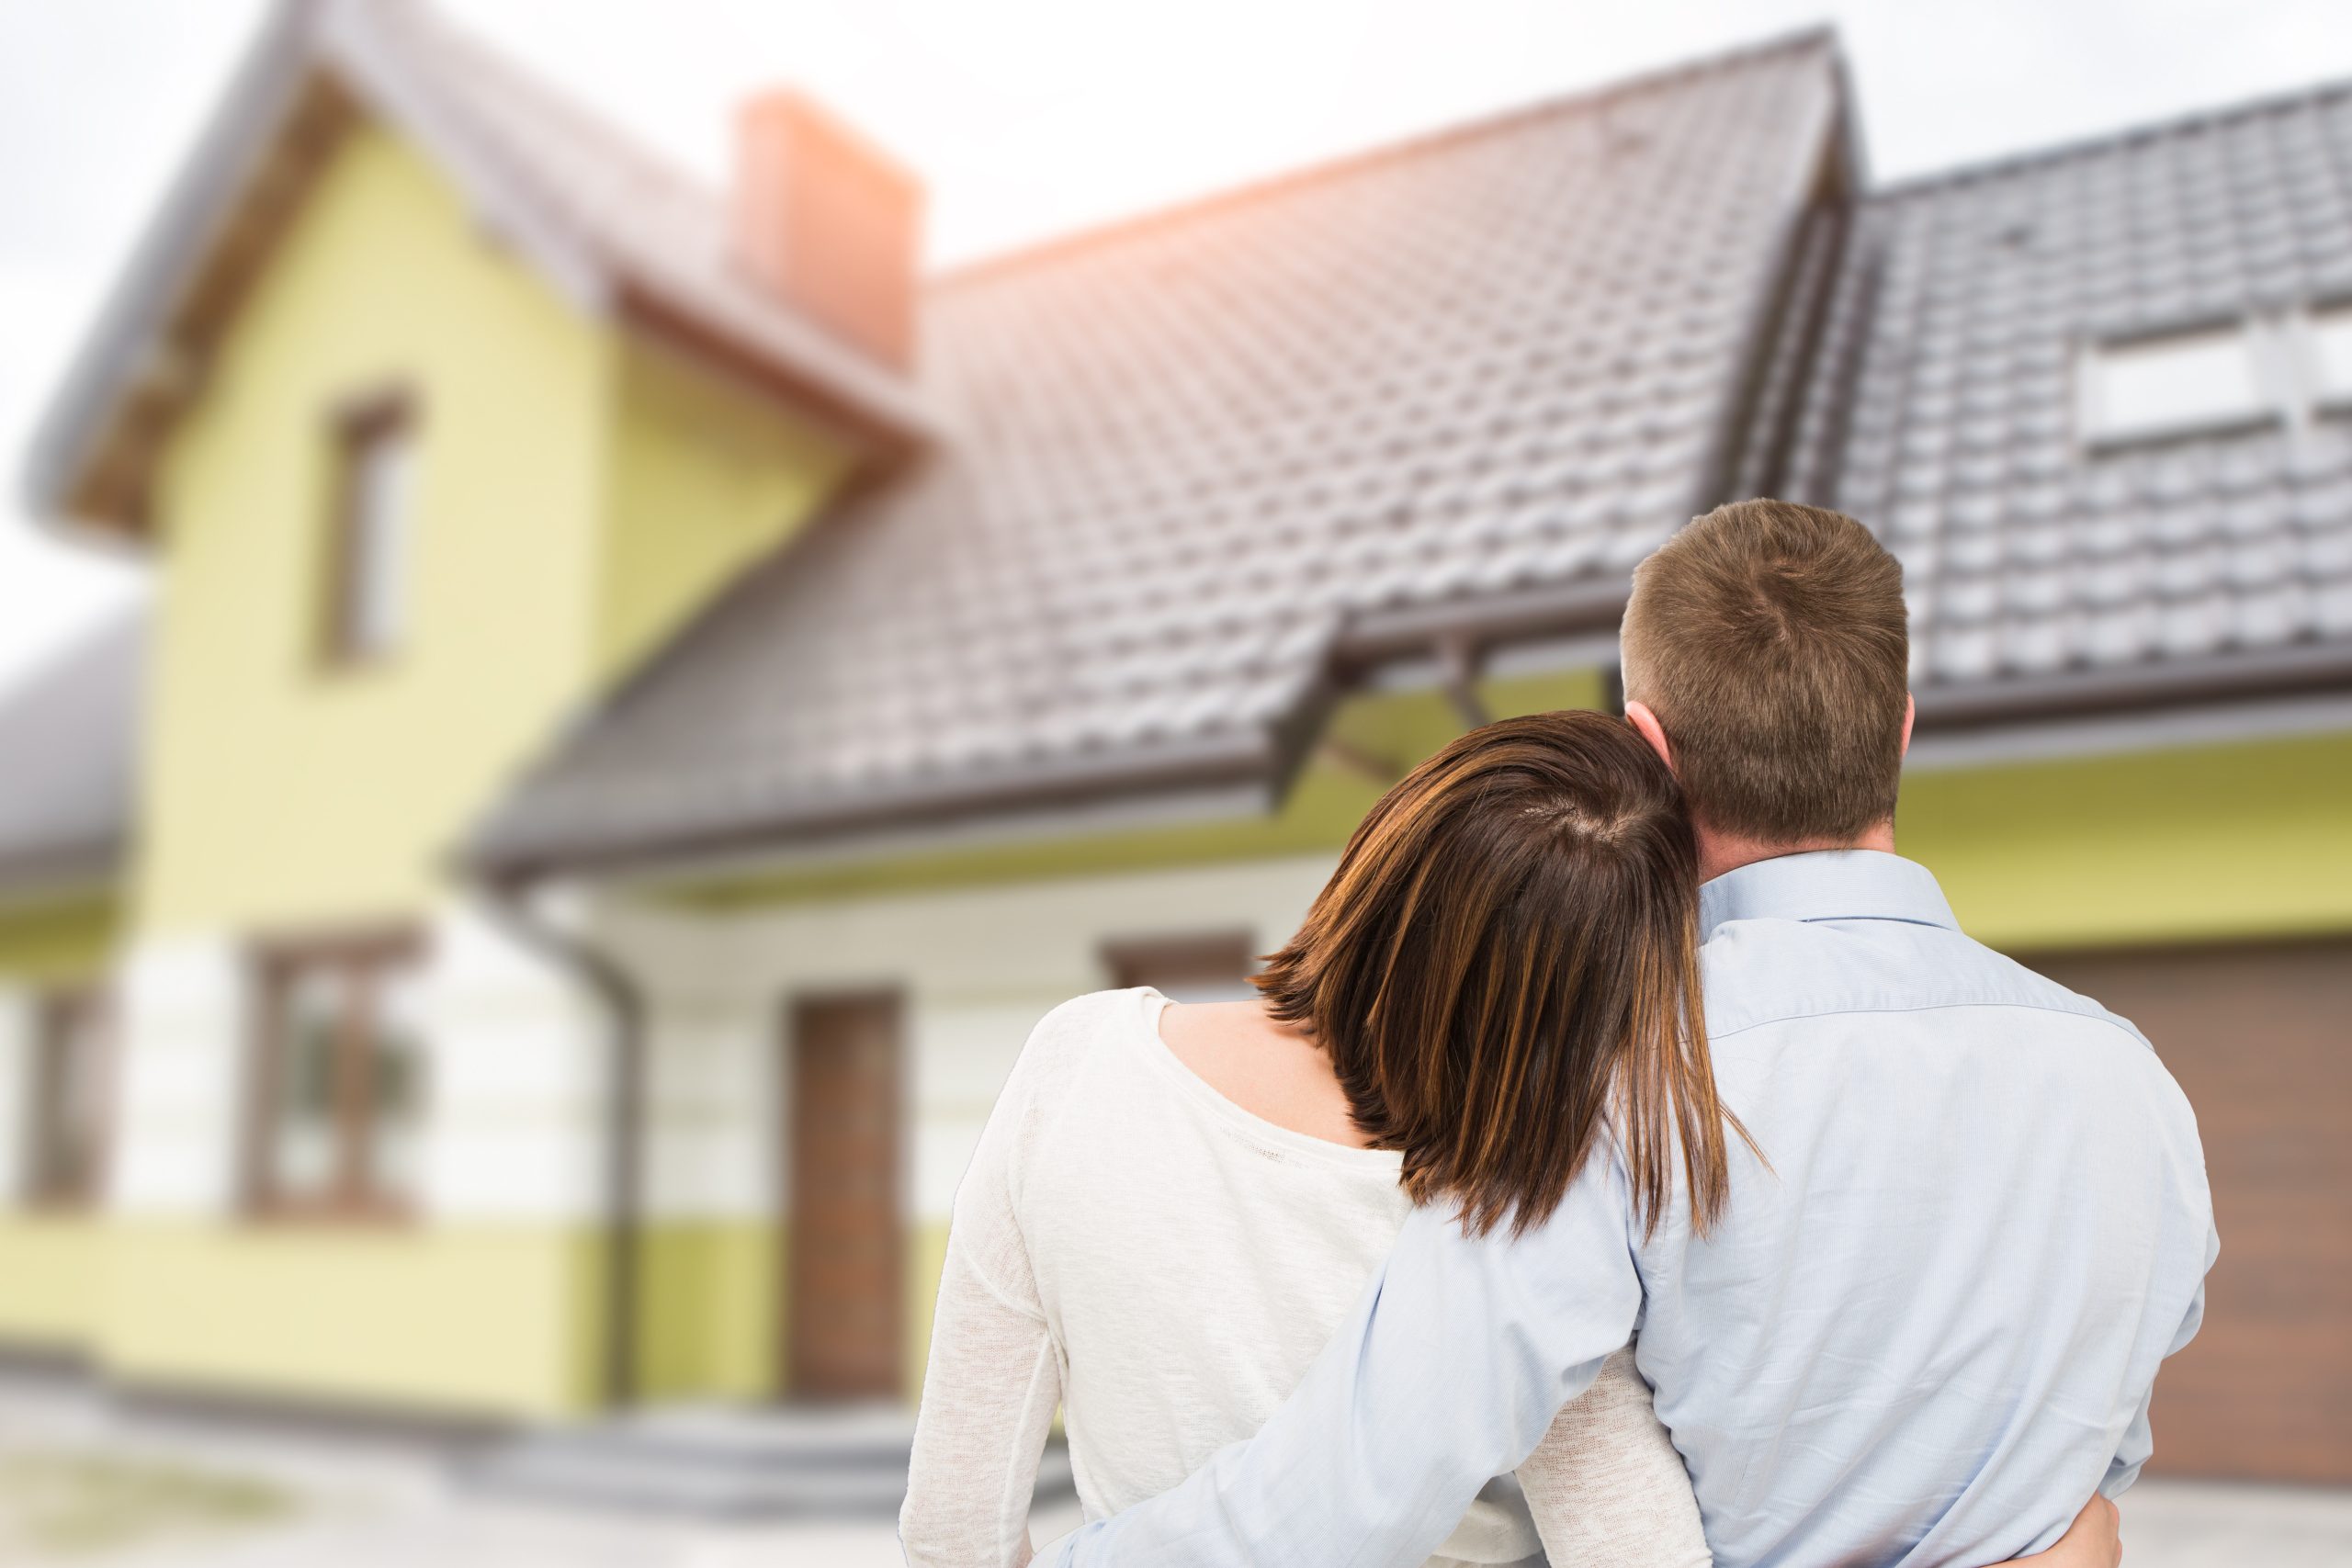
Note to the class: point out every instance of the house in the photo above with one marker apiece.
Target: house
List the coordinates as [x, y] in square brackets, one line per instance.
[647, 699]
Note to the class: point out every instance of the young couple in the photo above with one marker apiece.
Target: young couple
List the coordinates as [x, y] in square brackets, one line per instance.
[1629, 1151]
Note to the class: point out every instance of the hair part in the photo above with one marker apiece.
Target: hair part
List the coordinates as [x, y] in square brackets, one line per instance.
[1504, 971]
[1769, 639]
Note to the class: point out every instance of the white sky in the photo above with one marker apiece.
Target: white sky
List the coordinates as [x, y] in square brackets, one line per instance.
[1031, 118]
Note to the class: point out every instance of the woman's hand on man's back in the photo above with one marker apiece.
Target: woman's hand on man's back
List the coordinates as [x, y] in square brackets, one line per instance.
[2094, 1540]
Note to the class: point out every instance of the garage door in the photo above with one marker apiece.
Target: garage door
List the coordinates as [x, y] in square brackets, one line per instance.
[2261, 1040]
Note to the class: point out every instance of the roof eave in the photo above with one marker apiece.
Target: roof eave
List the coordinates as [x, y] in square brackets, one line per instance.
[869, 407]
[509, 852]
[64, 874]
[2299, 667]
[118, 349]
[305, 41]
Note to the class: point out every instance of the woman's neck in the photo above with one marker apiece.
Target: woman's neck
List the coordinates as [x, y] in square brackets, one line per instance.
[1269, 1069]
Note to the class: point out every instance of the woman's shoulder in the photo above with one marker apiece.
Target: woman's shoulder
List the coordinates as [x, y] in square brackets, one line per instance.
[1073, 1034]
[1085, 1024]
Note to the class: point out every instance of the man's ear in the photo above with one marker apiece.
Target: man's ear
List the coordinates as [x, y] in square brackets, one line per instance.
[1910, 712]
[1645, 724]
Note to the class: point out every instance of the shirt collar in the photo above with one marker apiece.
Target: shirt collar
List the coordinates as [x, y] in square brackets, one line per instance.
[1825, 884]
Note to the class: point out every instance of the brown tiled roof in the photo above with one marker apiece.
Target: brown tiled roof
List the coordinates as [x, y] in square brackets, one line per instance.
[1192, 460]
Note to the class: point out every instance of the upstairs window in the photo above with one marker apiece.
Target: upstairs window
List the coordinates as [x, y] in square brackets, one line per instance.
[71, 1091]
[2145, 389]
[1213, 966]
[338, 1081]
[2332, 355]
[368, 529]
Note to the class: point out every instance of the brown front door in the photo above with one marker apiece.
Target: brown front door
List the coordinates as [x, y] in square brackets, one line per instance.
[2260, 1037]
[844, 1336]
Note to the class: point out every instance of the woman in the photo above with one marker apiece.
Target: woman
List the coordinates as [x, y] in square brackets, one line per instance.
[1173, 1206]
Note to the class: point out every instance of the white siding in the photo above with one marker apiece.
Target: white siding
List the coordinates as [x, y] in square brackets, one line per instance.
[18, 1014]
[976, 966]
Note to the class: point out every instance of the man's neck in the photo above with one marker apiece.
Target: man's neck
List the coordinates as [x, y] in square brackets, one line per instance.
[1720, 853]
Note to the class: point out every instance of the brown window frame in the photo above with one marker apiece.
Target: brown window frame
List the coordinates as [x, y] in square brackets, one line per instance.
[1178, 957]
[68, 1017]
[391, 413]
[353, 1195]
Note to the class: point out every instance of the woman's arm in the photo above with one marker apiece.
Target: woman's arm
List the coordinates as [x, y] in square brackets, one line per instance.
[994, 1377]
[1608, 1490]
[1606, 1486]
[987, 1402]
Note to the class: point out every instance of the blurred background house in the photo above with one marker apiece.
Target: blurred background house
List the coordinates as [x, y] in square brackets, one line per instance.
[647, 697]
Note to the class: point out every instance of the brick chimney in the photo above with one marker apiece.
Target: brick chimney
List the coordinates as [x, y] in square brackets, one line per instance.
[829, 222]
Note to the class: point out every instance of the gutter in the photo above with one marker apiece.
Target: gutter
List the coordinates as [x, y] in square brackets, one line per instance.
[2279, 672]
[603, 976]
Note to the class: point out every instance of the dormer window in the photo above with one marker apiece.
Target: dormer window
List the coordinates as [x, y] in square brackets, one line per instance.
[2332, 357]
[372, 501]
[2179, 384]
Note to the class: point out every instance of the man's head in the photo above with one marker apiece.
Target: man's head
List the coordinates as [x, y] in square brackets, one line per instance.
[1767, 642]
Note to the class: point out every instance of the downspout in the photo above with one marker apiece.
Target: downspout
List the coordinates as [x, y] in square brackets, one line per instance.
[605, 979]
[1458, 661]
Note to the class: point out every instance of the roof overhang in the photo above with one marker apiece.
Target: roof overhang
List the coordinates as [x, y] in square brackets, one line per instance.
[1163, 782]
[317, 67]
[65, 875]
[2059, 696]
[1237, 775]
[2228, 722]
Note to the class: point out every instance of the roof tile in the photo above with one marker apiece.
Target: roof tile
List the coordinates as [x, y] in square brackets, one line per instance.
[1185, 453]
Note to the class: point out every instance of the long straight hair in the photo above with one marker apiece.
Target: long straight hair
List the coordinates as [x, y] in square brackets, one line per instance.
[1504, 970]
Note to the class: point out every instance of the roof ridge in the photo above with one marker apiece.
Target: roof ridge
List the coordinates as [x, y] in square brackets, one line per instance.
[422, 21]
[2172, 125]
[1413, 144]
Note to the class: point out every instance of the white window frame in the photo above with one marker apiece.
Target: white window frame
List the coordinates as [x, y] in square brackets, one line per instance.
[2102, 426]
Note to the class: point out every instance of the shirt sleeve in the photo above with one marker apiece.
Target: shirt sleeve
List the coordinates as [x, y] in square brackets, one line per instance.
[994, 1376]
[1606, 1486]
[1447, 1374]
[2139, 1439]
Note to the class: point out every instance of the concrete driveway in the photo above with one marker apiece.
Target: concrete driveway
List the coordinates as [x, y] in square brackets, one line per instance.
[83, 1484]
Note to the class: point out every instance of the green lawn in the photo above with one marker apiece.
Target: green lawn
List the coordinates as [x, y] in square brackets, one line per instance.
[67, 1504]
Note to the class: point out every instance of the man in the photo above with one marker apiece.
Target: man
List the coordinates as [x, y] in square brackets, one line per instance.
[1929, 1322]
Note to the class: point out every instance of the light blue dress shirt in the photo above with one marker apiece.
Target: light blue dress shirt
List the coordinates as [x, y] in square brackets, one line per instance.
[1923, 1334]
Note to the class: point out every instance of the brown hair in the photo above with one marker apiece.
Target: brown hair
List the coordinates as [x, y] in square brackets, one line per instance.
[1506, 958]
[1769, 639]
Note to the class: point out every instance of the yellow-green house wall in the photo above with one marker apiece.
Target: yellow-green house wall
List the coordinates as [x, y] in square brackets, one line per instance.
[714, 1307]
[280, 791]
[711, 1310]
[49, 1279]
[52, 1287]
[59, 942]
[701, 477]
[578, 491]
[2203, 844]
[493, 1320]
